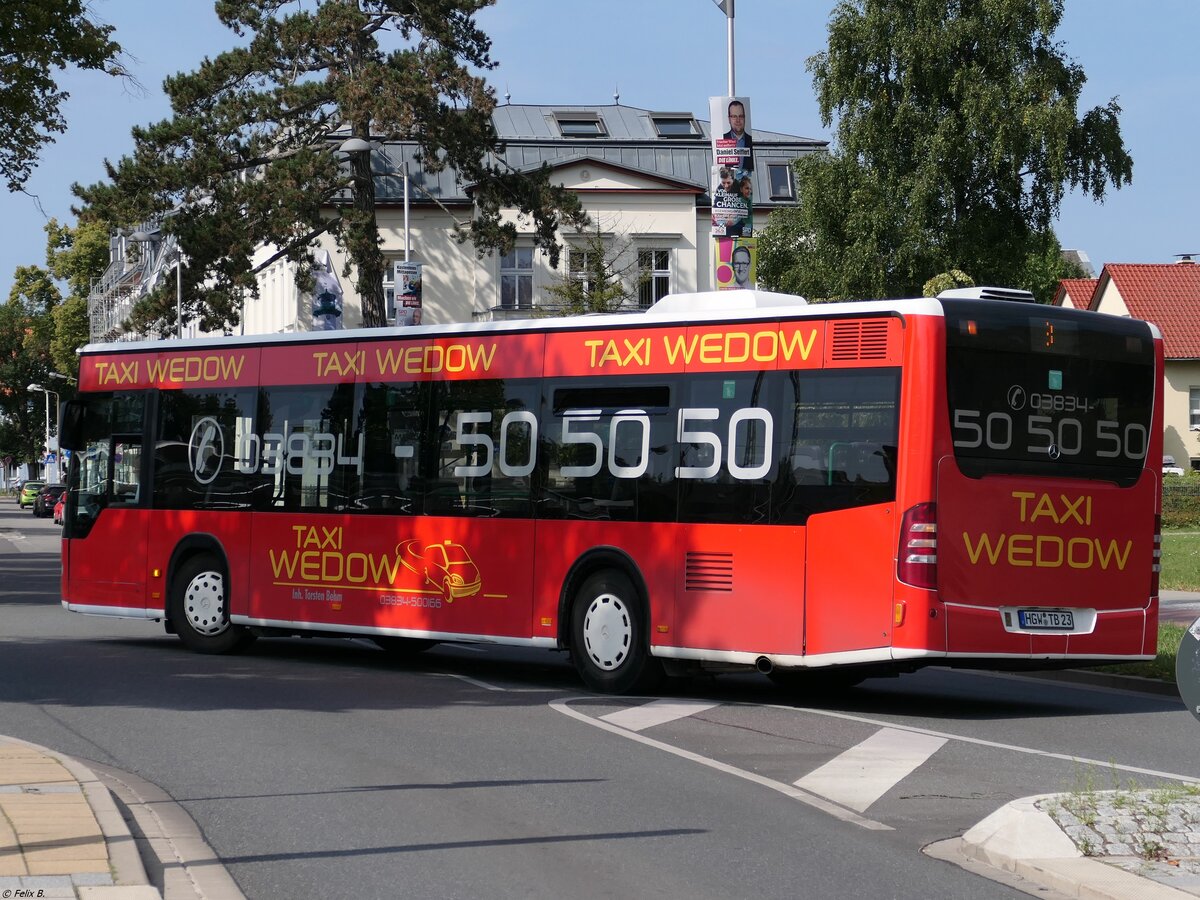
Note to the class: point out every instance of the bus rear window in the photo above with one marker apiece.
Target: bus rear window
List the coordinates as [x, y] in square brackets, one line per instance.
[1047, 391]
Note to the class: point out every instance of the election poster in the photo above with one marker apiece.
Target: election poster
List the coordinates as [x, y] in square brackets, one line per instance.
[735, 263]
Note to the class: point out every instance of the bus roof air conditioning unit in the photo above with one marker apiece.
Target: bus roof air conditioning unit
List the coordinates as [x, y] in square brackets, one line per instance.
[988, 293]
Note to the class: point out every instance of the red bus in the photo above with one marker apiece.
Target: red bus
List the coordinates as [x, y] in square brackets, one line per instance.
[728, 481]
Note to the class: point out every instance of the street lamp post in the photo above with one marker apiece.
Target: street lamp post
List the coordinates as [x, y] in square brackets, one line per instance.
[358, 145]
[726, 7]
[36, 388]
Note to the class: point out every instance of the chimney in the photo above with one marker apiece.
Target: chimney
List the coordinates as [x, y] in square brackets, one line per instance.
[1186, 259]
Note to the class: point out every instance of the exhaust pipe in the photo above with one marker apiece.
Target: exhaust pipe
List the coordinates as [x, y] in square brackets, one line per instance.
[764, 665]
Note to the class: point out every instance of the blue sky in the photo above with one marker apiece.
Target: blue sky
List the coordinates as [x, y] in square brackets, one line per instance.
[670, 55]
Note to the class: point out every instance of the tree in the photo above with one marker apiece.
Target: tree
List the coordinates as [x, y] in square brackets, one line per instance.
[26, 331]
[77, 256]
[603, 276]
[36, 38]
[957, 138]
[247, 160]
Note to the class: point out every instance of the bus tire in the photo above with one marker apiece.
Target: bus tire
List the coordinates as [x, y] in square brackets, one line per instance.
[199, 608]
[402, 647]
[609, 645]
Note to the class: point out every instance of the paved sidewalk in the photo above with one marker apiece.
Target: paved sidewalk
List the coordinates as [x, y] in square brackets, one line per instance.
[61, 836]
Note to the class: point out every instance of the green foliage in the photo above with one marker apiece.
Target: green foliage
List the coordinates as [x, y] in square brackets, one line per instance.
[1181, 502]
[26, 331]
[602, 277]
[1180, 556]
[947, 281]
[248, 155]
[957, 138]
[38, 37]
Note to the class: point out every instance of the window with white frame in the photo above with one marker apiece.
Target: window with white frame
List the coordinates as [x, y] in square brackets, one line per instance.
[654, 266]
[582, 264]
[516, 279]
[1194, 408]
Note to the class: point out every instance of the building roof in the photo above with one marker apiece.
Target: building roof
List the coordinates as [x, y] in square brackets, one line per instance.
[1167, 294]
[628, 139]
[1078, 289]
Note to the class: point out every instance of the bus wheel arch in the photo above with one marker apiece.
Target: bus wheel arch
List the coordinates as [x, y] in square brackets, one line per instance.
[604, 620]
[197, 605]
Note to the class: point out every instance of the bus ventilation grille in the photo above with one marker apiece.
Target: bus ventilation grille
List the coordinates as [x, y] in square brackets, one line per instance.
[860, 340]
[708, 571]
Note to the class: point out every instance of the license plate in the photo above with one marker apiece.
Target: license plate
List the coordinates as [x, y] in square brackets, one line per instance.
[1049, 619]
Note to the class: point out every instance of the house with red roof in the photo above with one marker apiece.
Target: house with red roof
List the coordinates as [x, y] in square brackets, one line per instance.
[1075, 293]
[1167, 294]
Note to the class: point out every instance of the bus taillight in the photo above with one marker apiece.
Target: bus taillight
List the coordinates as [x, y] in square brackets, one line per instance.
[916, 563]
[1156, 569]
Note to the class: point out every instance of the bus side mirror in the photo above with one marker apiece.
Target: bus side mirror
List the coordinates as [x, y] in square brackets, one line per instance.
[70, 431]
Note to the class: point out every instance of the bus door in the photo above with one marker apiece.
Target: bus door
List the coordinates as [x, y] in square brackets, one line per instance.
[107, 521]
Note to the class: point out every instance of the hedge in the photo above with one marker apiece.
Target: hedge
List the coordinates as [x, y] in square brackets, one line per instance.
[1181, 501]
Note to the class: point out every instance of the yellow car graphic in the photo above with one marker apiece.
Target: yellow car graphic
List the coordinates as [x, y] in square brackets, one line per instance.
[446, 566]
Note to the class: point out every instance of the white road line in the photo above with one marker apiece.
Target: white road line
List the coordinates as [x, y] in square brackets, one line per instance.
[658, 712]
[788, 790]
[864, 773]
[980, 742]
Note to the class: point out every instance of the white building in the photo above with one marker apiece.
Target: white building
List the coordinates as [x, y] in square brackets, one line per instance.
[642, 176]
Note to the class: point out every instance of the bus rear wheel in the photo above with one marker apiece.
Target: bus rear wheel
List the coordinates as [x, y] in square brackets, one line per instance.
[200, 608]
[608, 639]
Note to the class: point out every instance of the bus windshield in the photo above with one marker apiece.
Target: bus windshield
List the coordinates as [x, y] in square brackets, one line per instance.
[1055, 392]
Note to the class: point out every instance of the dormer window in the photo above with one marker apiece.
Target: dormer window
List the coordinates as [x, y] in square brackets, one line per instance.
[580, 124]
[675, 125]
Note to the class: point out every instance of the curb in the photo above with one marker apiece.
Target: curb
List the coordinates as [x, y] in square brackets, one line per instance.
[1021, 839]
[130, 881]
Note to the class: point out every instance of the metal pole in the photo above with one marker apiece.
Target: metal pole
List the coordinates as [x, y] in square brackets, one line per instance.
[404, 168]
[729, 39]
[179, 296]
[47, 393]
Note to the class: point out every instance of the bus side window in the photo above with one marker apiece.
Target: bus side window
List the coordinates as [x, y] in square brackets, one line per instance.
[125, 488]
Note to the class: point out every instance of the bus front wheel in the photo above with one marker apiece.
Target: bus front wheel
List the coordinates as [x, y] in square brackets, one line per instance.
[200, 608]
[608, 640]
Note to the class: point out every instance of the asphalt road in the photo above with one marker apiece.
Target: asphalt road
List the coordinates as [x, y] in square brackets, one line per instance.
[321, 768]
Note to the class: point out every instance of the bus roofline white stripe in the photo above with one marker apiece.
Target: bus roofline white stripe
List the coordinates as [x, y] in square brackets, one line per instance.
[116, 612]
[368, 631]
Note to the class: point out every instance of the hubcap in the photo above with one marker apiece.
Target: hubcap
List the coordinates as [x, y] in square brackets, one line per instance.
[204, 604]
[607, 631]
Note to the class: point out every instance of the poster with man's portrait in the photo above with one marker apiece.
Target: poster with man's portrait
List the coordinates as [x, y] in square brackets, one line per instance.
[729, 125]
[735, 263]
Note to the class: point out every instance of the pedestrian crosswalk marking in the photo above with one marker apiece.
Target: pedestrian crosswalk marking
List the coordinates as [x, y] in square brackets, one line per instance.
[657, 712]
[864, 773]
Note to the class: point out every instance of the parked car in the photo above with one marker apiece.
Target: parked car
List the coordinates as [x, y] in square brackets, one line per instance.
[1169, 467]
[58, 508]
[29, 493]
[43, 500]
